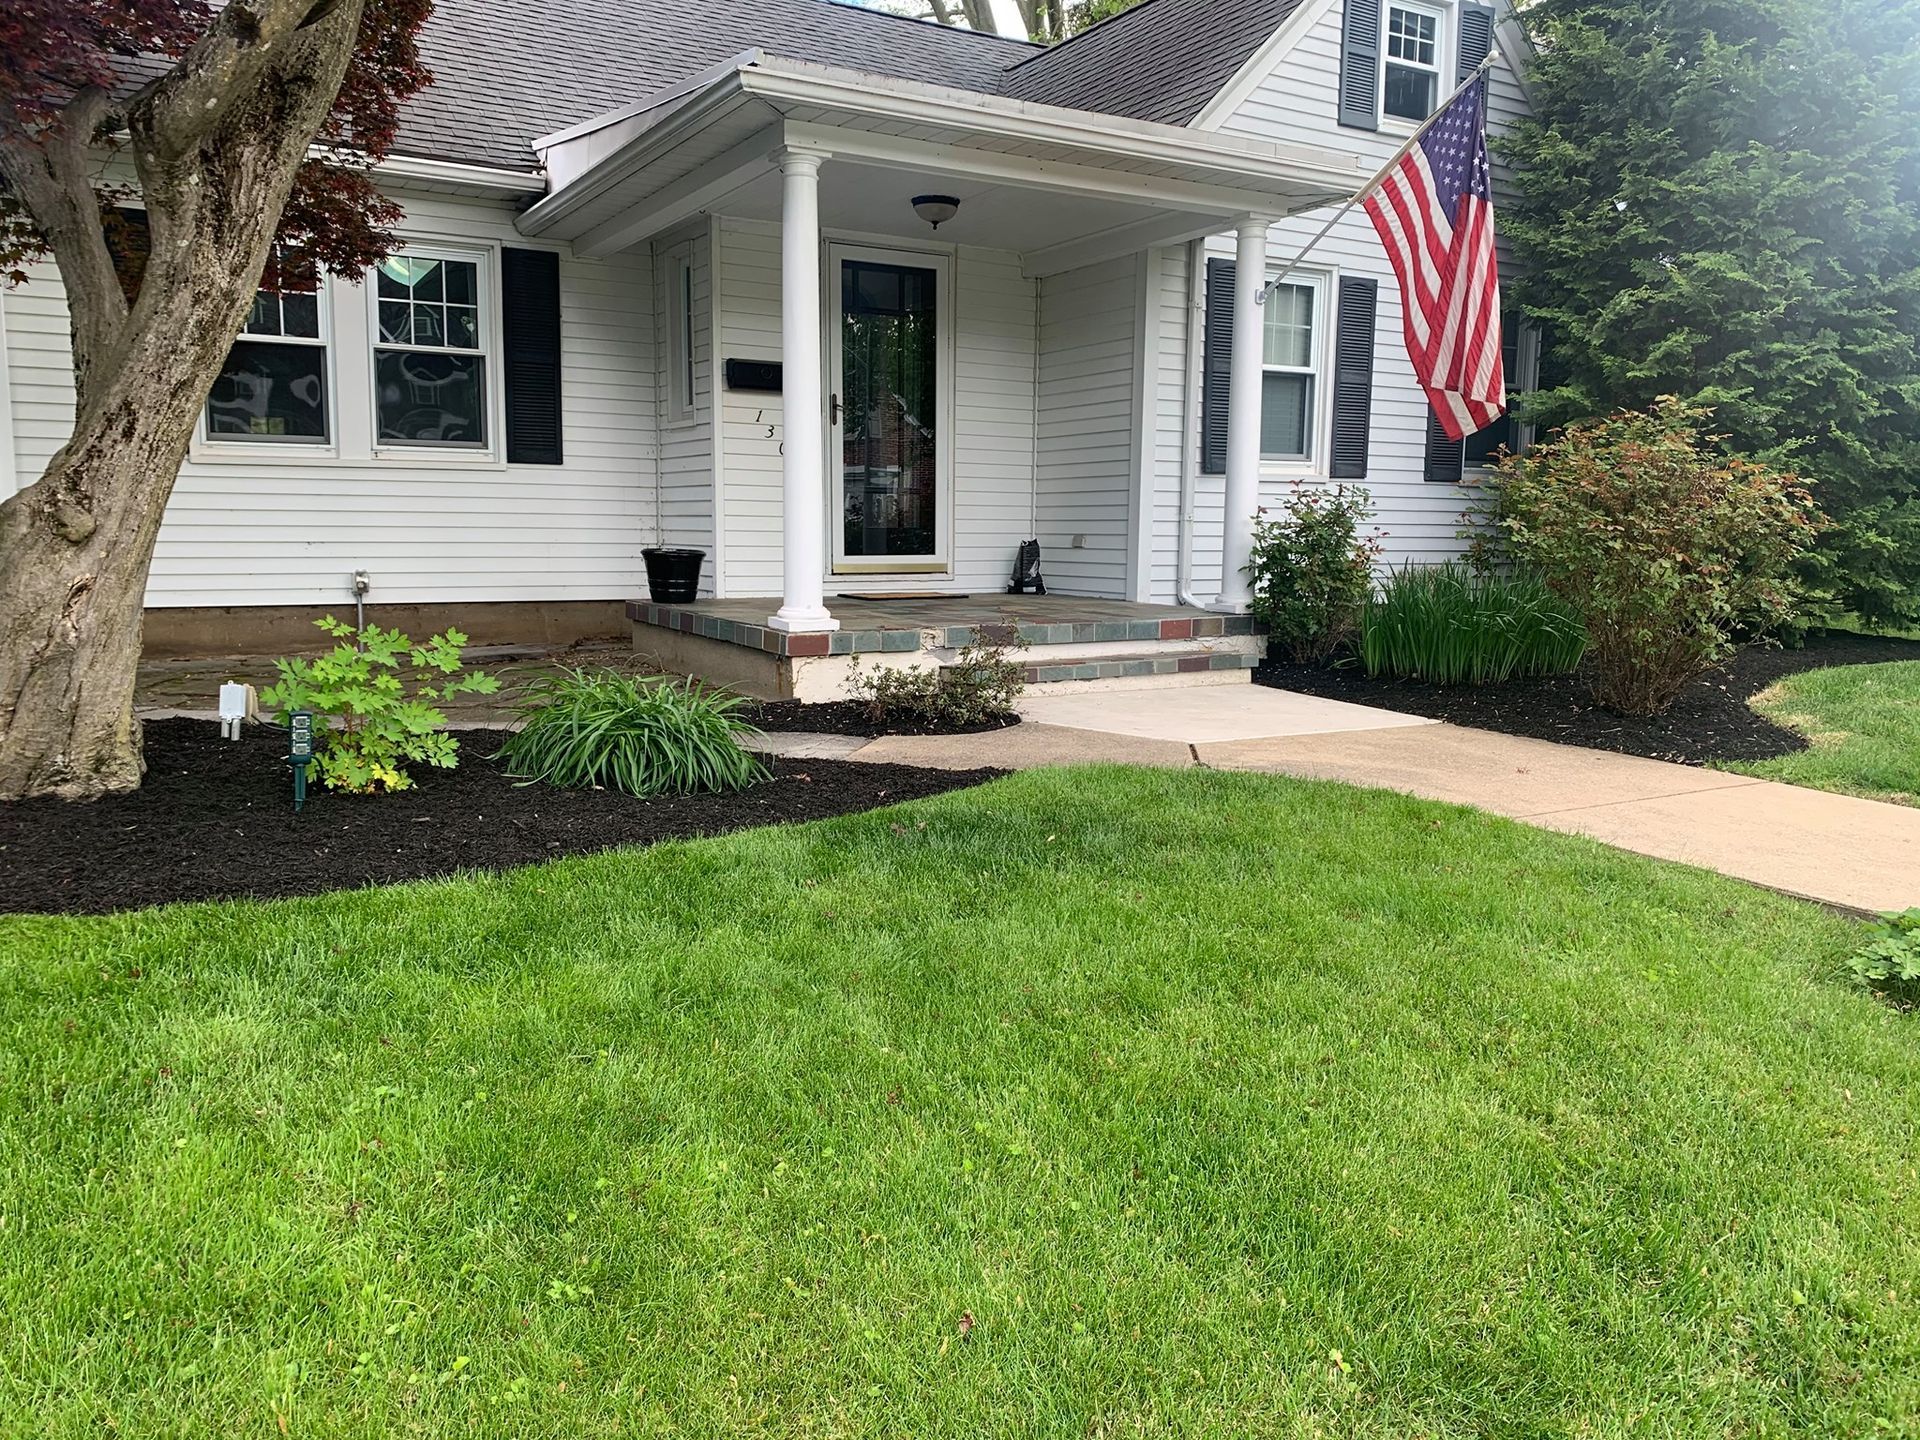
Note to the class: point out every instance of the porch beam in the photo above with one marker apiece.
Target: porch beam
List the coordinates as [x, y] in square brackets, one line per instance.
[1243, 415]
[803, 402]
[921, 156]
[683, 198]
[1174, 228]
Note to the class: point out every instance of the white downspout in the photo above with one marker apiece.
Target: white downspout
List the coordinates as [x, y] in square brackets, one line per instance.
[1189, 441]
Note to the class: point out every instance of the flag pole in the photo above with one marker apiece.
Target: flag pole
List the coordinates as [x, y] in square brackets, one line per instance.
[1367, 189]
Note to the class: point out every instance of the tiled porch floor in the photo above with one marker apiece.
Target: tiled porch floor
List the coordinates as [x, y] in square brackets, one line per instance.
[952, 620]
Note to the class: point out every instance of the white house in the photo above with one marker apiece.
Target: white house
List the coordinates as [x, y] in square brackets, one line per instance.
[620, 212]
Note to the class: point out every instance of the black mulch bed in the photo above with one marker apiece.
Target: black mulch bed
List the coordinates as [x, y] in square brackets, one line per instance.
[850, 717]
[1711, 721]
[214, 821]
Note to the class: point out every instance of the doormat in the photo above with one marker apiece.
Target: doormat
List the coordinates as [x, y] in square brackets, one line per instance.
[900, 595]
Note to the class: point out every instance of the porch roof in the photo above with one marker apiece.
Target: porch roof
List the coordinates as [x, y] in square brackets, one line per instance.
[1117, 184]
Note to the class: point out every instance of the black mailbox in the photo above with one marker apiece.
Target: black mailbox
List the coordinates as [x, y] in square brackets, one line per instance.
[754, 375]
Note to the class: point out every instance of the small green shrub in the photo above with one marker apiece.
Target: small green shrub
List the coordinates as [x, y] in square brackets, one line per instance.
[1311, 571]
[979, 688]
[1450, 625]
[1667, 549]
[646, 736]
[372, 698]
[1889, 961]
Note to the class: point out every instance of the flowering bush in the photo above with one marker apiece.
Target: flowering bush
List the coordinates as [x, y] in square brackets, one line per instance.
[1311, 571]
[1667, 548]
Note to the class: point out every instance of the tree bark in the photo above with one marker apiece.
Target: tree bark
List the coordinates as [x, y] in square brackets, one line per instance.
[216, 144]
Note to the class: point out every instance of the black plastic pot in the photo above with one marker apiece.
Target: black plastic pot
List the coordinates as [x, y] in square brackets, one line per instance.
[673, 576]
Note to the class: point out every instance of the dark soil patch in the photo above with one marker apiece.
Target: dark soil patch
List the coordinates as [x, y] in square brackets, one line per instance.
[1711, 720]
[215, 821]
[851, 717]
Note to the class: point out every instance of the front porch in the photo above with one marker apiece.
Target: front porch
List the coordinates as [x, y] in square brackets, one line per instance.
[1059, 639]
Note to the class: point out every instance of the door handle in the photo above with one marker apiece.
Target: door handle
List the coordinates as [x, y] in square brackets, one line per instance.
[833, 410]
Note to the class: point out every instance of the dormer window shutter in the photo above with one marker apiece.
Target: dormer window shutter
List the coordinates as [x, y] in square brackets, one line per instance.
[1360, 64]
[1216, 369]
[1476, 36]
[1353, 377]
[530, 331]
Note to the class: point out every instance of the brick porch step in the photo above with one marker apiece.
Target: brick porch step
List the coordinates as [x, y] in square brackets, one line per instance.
[1197, 664]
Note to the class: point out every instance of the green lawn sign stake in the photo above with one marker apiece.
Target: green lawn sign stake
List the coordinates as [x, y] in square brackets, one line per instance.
[299, 752]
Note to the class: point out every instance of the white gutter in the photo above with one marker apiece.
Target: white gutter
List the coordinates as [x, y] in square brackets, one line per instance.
[470, 179]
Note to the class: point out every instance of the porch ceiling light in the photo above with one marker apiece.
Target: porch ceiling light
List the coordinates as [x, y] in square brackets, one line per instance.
[936, 210]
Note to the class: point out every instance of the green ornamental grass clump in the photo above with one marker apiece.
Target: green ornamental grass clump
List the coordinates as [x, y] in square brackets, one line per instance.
[642, 735]
[373, 699]
[1451, 625]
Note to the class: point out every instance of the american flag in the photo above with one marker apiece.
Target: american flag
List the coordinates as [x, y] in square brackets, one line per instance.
[1434, 212]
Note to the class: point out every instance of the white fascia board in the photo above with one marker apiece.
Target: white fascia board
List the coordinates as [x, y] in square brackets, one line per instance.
[785, 83]
[694, 113]
[1255, 69]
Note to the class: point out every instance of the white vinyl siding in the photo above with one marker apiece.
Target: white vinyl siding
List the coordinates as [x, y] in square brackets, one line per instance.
[686, 464]
[286, 529]
[993, 363]
[1085, 412]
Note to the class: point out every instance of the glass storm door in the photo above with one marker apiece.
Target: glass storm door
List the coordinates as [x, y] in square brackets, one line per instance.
[888, 436]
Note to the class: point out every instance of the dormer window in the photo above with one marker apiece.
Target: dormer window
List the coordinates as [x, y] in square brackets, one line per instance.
[1410, 60]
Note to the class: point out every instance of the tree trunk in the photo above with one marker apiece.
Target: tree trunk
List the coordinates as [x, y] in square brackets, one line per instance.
[75, 546]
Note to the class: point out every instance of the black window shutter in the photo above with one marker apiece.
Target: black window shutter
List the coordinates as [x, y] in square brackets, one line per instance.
[1360, 64]
[530, 325]
[1476, 35]
[1353, 377]
[1446, 457]
[1216, 369]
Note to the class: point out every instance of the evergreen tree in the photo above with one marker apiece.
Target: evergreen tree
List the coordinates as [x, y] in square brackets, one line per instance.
[1721, 200]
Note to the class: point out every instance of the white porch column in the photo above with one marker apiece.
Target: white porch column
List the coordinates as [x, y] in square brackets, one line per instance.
[803, 401]
[1243, 415]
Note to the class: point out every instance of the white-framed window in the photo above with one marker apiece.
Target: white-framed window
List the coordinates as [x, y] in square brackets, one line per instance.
[1293, 321]
[1412, 51]
[273, 388]
[680, 321]
[432, 333]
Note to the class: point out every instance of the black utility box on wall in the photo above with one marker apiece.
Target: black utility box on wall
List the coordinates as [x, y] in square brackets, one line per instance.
[754, 375]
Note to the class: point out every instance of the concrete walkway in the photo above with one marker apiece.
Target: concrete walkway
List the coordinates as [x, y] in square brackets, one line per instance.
[1858, 854]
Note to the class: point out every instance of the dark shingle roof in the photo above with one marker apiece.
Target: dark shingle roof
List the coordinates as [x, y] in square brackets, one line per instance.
[1162, 60]
[509, 71]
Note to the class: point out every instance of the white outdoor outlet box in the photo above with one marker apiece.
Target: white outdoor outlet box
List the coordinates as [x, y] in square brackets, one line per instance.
[238, 704]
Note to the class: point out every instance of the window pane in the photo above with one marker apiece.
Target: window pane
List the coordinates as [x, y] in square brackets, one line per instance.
[463, 326]
[427, 282]
[300, 314]
[1409, 92]
[1289, 326]
[431, 397]
[264, 318]
[1411, 36]
[1286, 403]
[394, 276]
[395, 321]
[270, 392]
[461, 284]
[429, 325]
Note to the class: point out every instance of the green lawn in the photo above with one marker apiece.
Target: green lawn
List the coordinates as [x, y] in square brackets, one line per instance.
[1096, 1103]
[1863, 724]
